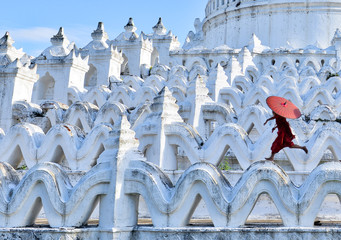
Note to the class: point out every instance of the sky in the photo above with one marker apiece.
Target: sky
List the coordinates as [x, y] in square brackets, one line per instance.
[32, 23]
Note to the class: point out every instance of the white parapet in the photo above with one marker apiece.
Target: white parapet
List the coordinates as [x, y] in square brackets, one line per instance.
[173, 205]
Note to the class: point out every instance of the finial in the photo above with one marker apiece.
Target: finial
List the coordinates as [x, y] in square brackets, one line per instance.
[60, 32]
[6, 40]
[159, 28]
[100, 26]
[99, 33]
[59, 38]
[130, 27]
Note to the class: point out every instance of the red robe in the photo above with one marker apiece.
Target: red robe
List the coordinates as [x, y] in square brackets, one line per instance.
[284, 135]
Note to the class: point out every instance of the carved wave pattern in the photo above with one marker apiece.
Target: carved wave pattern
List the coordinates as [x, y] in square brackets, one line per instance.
[67, 145]
[229, 206]
[47, 185]
[233, 136]
[63, 143]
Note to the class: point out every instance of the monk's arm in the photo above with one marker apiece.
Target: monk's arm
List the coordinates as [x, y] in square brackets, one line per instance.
[269, 119]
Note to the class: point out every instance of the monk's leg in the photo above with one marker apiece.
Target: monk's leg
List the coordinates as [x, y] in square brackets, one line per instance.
[271, 158]
[304, 148]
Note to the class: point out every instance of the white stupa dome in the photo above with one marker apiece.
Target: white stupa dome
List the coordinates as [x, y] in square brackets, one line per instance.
[276, 23]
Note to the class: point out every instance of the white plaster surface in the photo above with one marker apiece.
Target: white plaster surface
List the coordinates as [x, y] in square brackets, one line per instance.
[137, 127]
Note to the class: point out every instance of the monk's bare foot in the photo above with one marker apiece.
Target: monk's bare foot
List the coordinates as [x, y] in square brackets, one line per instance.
[305, 149]
[269, 158]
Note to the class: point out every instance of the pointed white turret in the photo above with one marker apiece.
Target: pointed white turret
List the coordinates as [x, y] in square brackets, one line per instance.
[60, 39]
[197, 95]
[16, 79]
[104, 59]
[136, 50]
[159, 28]
[7, 48]
[117, 208]
[217, 80]
[255, 45]
[6, 41]
[164, 112]
[130, 27]
[130, 32]
[234, 69]
[99, 33]
[60, 66]
[163, 43]
[245, 59]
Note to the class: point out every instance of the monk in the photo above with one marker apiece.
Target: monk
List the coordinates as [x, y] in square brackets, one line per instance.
[284, 136]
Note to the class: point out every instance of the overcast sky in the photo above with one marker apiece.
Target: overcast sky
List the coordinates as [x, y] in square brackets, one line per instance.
[32, 23]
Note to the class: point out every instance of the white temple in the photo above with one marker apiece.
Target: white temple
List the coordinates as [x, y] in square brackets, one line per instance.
[130, 138]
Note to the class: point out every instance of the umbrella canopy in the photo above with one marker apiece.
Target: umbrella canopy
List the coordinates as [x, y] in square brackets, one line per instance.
[283, 107]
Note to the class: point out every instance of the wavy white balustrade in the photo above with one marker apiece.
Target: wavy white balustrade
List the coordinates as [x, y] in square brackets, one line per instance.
[173, 205]
[110, 112]
[218, 113]
[326, 137]
[155, 81]
[178, 70]
[285, 68]
[244, 84]
[169, 205]
[145, 94]
[97, 95]
[132, 91]
[212, 151]
[246, 150]
[100, 94]
[28, 142]
[288, 82]
[274, 79]
[47, 185]
[258, 96]
[82, 114]
[305, 90]
[254, 115]
[324, 112]
[86, 115]
[293, 95]
[79, 114]
[314, 97]
[233, 136]
[133, 82]
[177, 134]
[307, 83]
[132, 98]
[178, 82]
[161, 70]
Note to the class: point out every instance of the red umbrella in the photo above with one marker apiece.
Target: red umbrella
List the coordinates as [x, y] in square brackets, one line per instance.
[283, 107]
